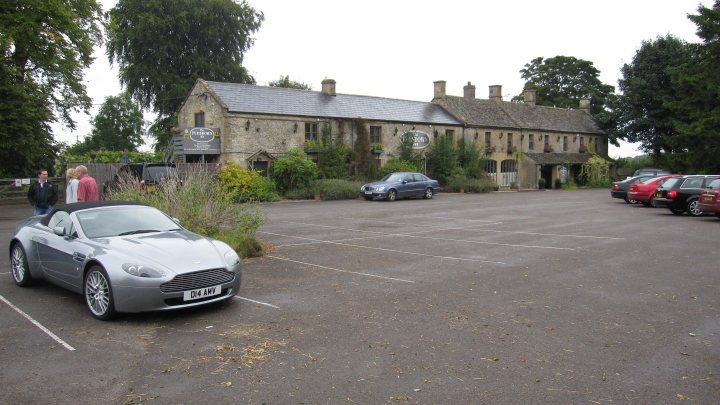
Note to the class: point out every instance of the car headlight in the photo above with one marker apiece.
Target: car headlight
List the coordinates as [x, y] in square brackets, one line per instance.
[380, 188]
[363, 187]
[138, 270]
[232, 258]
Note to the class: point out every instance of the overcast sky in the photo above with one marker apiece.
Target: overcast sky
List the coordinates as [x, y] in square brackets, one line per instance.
[398, 48]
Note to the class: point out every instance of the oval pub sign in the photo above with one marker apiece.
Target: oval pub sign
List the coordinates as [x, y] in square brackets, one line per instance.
[420, 139]
[202, 134]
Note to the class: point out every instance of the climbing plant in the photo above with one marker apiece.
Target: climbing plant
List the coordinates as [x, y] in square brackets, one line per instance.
[595, 172]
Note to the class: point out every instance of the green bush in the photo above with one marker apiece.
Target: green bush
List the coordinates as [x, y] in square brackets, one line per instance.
[202, 206]
[246, 185]
[304, 193]
[294, 171]
[395, 164]
[335, 189]
[481, 185]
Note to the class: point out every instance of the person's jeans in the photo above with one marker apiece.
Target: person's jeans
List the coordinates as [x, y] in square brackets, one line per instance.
[42, 211]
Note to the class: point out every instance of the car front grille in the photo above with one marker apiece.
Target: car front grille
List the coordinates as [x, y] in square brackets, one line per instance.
[199, 279]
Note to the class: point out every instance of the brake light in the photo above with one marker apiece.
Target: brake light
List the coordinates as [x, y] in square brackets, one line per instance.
[634, 187]
[615, 187]
[671, 194]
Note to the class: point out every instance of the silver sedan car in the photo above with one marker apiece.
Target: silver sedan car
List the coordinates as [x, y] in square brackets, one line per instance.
[123, 257]
[400, 185]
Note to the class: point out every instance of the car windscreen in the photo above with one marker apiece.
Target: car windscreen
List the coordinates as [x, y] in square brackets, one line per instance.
[118, 221]
[393, 177]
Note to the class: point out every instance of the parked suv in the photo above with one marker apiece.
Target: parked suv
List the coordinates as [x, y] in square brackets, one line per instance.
[681, 194]
[147, 175]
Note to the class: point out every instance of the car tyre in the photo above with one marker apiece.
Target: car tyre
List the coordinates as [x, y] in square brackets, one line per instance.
[19, 266]
[97, 293]
[693, 209]
[428, 193]
[676, 211]
[391, 195]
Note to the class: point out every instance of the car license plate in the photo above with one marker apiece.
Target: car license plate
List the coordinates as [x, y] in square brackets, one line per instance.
[150, 188]
[368, 192]
[658, 194]
[707, 198]
[201, 293]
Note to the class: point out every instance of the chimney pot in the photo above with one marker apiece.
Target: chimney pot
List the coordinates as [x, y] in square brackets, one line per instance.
[496, 92]
[529, 97]
[585, 104]
[469, 91]
[328, 87]
[440, 89]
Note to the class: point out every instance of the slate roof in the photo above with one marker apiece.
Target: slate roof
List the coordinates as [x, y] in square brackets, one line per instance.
[503, 114]
[247, 98]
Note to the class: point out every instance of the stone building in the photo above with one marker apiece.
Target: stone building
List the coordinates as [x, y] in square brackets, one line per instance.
[253, 125]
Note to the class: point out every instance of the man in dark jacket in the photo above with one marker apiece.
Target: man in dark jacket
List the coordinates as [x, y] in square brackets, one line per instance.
[43, 194]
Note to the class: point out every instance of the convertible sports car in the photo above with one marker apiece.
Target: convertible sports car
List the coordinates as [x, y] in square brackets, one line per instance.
[123, 257]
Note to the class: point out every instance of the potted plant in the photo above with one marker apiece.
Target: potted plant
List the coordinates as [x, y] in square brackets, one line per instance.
[548, 148]
[583, 148]
[376, 148]
[312, 146]
[542, 183]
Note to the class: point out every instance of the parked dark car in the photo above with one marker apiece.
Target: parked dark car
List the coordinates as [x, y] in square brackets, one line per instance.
[620, 188]
[650, 170]
[147, 175]
[644, 191]
[681, 194]
[400, 185]
[709, 200]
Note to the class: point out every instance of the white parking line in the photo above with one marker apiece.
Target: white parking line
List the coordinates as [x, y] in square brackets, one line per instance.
[36, 323]
[342, 271]
[397, 251]
[257, 302]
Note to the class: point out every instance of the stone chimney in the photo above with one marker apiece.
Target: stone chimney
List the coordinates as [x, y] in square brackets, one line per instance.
[529, 97]
[439, 89]
[469, 91]
[496, 92]
[328, 87]
[585, 105]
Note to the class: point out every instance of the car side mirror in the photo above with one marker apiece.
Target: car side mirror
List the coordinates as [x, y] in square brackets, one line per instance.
[404, 181]
[177, 220]
[59, 231]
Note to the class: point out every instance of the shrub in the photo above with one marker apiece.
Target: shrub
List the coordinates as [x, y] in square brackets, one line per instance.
[246, 185]
[481, 185]
[335, 189]
[395, 164]
[294, 171]
[202, 206]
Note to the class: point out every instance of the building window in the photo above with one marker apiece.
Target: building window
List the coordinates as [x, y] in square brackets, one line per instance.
[565, 144]
[488, 142]
[531, 142]
[509, 142]
[547, 140]
[311, 132]
[200, 119]
[450, 134]
[582, 140]
[375, 135]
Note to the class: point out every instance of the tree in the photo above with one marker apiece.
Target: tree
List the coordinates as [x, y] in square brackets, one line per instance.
[643, 110]
[442, 159]
[45, 47]
[697, 112]
[284, 81]
[117, 126]
[163, 46]
[562, 81]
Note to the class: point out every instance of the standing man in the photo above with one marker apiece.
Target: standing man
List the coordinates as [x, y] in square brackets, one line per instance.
[43, 194]
[87, 186]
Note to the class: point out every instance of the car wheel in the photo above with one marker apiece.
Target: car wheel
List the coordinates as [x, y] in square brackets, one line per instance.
[718, 215]
[428, 193]
[693, 209]
[19, 266]
[391, 195]
[676, 211]
[98, 294]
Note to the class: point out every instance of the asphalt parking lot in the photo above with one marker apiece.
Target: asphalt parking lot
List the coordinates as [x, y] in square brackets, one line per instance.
[516, 297]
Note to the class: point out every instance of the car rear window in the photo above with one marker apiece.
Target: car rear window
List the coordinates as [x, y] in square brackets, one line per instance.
[670, 183]
[714, 184]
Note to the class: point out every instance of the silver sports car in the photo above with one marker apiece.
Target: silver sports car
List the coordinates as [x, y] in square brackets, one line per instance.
[123, 257]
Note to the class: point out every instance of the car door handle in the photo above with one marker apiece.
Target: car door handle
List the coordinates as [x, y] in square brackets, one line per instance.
[79, 257]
